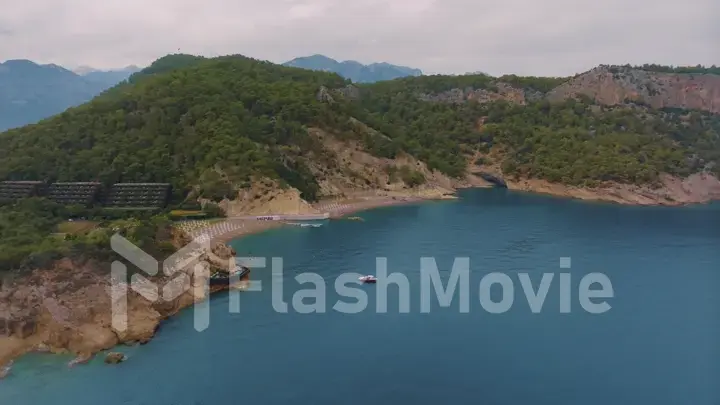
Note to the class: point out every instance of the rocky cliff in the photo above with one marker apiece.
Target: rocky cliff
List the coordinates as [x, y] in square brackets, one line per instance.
[699, 188]
[696, 189]
[607, 85]
[612, 85]
[496, 92]
[67, 307]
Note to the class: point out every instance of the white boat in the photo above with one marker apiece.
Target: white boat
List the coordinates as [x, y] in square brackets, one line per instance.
[305, 225]
[368, 279]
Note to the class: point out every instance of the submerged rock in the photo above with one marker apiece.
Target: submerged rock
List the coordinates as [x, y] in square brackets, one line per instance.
[115, 358]
[81, 359]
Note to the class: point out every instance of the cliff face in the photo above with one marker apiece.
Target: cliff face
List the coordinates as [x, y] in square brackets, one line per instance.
[608, 85]
[67, 307]
[613, 85]
[699, 188]
[351, 171]
[673, 191]
[500, 91]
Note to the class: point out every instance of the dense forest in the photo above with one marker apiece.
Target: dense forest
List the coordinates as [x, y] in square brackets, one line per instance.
[33, 232]
[714, 70]
[233, 114]
[574, 142]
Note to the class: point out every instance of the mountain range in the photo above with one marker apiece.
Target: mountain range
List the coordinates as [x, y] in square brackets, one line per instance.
[355, 71]
[30, 92]
[108, 77]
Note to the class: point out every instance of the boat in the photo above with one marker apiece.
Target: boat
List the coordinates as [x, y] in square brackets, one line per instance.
[222, 278]
[368, 279]
[304, 225]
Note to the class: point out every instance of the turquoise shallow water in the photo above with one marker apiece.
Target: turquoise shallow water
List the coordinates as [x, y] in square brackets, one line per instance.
[658, 344]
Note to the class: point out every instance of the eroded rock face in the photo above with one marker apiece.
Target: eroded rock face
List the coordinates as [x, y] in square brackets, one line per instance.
[350, 92]
[614, 85]
[608, 85]
[266, 197]
[697, 189]
[501, 91]
[323, 95]
[67, 308]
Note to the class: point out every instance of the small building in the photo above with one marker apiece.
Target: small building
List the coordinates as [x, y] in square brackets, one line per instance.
[80, 193]
[15, 190]
[138, 195]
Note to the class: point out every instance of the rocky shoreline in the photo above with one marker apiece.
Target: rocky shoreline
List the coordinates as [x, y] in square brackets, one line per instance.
[67, 308]
[672, 191]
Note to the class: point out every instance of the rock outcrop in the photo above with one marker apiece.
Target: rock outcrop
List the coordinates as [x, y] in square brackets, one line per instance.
[67, 307]
[115, 358]
[354, 172]
[499, 91]
[266, 197]
[350, 92]
[323, 95]
[612, 85]
[607, 85]
[672, 191]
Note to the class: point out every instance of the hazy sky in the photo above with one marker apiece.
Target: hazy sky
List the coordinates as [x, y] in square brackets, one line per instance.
[540, 37]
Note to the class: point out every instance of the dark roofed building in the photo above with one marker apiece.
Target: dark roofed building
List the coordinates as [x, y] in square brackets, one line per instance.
[81, 193]
[138, 195]
[14, 190]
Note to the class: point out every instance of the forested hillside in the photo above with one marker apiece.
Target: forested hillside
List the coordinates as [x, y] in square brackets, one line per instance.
[698, 69]
[213, 124]
[576, 141]
[232, 114]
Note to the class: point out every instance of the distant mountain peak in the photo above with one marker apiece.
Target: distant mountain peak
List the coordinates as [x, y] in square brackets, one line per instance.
[32, 91]
[354, 70]
[83, 70]
[19, 63]
[86, 70]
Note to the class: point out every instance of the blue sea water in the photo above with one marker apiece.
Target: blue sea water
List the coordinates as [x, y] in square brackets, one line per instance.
[658, 344]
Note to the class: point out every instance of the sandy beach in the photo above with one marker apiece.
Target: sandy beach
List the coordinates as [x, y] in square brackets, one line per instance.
[225, 230]
[345, 208]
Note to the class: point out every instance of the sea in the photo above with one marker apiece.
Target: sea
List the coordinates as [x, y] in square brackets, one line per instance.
[630, 315]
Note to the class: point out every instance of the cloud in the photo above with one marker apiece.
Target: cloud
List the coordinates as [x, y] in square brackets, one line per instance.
[551, 37]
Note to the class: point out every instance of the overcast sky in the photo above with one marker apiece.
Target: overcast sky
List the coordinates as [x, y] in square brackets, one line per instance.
[538, 37]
